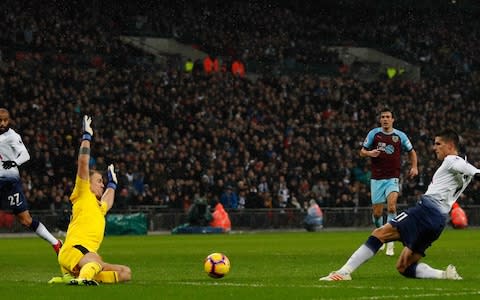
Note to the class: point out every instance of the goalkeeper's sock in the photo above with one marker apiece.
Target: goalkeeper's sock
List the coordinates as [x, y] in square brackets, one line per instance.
[106, 277]
[89, 270]
[361, 255]
[42, 232]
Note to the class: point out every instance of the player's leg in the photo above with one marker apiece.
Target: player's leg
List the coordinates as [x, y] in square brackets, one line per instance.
[417, 235]
[114, 273]
[364, 252]
[18, 205]
[26, 220]
[409, 266]
[90, 265]
[392, 192]
[68, 259]
[377, 215]
[378, 198]
[36, 226]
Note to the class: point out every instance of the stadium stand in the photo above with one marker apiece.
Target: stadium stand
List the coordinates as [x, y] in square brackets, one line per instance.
[289, 136]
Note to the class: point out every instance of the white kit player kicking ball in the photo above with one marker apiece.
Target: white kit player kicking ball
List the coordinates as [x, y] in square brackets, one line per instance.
[418, 227]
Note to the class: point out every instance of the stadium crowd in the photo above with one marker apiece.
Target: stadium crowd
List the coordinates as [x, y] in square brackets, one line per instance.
[277, 141]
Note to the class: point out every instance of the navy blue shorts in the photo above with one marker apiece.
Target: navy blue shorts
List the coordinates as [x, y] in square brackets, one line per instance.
[419, 226]
[12, 196]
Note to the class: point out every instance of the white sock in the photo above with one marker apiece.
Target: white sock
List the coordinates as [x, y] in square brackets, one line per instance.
[43, 232]
[358, 257]
[425, 271]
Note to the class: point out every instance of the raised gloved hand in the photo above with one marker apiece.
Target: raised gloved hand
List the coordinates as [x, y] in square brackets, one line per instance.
[87, 129]
[112, 177]
[8, 164]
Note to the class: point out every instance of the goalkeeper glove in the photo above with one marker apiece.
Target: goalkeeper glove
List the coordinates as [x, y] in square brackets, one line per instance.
[87, 129]
[112, 177]
[8, 164]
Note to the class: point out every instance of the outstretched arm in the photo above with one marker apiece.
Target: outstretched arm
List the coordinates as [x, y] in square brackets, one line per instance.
[84, 152]
[109, 194]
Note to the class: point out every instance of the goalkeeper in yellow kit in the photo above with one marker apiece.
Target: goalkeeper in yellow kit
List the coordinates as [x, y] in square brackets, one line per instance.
[79, 262]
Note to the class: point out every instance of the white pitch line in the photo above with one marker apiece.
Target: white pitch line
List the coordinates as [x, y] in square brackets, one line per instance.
[429, 295]
[441, 291]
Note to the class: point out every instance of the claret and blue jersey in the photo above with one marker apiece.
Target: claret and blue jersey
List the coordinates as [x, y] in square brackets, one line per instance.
[392, 144]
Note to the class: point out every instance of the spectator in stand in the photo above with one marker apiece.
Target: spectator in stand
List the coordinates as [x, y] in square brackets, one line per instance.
[187, 122]
[229, 198]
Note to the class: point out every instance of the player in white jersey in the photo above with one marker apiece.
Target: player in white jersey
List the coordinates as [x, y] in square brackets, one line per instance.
[419, 226]
[13, 153]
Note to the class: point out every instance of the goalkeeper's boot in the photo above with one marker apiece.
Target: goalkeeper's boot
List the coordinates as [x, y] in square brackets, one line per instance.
[336, 276]
[66, 278]
[57, 246]
[81, 281]
[451, 273]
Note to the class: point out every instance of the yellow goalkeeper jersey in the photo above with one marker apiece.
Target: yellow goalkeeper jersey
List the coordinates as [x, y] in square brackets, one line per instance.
[87, 224]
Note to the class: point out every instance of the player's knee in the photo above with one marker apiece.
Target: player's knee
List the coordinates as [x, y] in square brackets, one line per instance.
[26, 221]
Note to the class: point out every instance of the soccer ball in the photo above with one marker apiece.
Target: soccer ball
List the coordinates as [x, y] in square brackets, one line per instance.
[216, 265]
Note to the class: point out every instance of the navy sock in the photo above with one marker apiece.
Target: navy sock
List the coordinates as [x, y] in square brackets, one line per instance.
[373, 243]
[410, 271]
[34, 225]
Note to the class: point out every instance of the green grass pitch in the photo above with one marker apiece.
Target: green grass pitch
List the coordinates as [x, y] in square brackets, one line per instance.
[279, 265]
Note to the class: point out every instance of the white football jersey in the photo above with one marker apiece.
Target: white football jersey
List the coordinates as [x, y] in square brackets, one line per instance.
[449, 181]
[12, 148]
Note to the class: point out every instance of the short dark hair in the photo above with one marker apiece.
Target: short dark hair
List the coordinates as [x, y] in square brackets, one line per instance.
[386, 109]
[450, 135]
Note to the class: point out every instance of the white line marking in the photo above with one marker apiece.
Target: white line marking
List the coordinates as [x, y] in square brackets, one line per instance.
[442, 291]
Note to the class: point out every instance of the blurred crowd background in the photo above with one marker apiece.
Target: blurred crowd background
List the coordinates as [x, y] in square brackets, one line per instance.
[279, 139]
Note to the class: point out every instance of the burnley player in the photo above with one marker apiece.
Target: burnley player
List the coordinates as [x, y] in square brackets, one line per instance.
[385, 145]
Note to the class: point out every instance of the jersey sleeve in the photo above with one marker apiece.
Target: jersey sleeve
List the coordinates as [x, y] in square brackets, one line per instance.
[459, 165]
[367, 143]
[20, 149]
[406, 144]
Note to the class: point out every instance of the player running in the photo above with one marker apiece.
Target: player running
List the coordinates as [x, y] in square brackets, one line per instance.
[385, 145]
